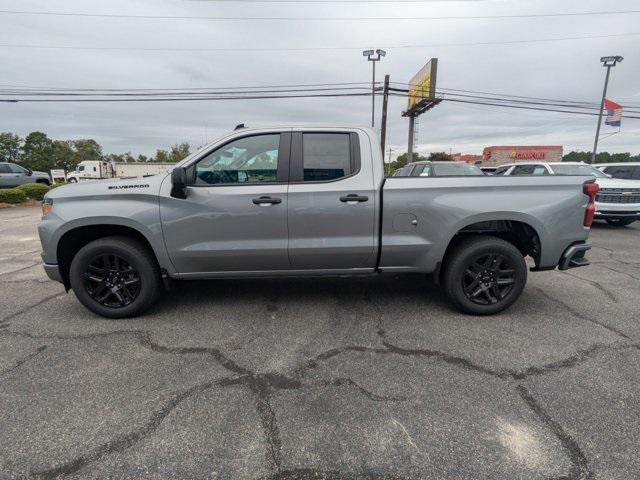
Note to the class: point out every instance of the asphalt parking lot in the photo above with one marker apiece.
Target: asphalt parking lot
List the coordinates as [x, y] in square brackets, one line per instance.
[366, 378]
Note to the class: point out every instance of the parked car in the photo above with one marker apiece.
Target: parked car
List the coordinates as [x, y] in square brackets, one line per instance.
[296, 201]
[12, 175]
[627, 171]
[437, 169]
[617, 202]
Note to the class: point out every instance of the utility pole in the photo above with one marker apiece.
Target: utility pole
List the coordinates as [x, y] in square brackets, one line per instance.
[606, 62]
[369, 54]
[385, 101]
[389, 162]
[412, 121]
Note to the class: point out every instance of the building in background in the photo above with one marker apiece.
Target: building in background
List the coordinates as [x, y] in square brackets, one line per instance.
[466, 157]
[499, 155]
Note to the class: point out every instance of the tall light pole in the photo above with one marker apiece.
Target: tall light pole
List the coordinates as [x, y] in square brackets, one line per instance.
[371, 58]
[606, 62]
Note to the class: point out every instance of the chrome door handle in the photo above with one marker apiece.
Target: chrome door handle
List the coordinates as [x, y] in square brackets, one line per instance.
[353, 198]
[266, 201]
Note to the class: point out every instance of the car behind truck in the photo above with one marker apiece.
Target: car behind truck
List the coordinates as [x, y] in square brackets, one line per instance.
[309, 201]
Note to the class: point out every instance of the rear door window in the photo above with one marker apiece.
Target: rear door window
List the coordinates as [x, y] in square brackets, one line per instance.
[326, 156]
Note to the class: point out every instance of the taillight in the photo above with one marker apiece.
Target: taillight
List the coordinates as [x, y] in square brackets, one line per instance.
[590, 189]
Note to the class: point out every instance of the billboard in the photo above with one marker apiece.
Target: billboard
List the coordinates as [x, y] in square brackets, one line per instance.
[422, 86]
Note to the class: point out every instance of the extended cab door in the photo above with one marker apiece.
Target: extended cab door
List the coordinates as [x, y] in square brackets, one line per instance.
[332, 198]
[234, 216]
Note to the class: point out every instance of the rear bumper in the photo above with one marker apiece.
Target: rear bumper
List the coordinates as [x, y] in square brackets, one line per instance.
[574, 256]
[53, 272]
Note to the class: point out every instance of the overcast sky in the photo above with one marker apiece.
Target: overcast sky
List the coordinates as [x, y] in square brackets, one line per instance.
[561, 69]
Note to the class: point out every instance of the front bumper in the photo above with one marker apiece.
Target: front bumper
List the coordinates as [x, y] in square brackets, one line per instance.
[53, 272]
[574, 256]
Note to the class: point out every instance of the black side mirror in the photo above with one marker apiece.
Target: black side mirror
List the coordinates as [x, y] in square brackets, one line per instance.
[29, 172]
[179, 182]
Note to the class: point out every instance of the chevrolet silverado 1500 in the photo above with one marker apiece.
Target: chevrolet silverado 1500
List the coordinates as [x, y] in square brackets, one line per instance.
[309, 201]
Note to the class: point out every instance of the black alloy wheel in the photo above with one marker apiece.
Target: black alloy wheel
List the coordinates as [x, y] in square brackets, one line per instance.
[483, 274]
[111, 281]
[488, 279]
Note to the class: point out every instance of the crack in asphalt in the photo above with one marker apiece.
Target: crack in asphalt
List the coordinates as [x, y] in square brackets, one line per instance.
[582, 316]
[579, 463]
[598, 285]
[123, 441]
[340, 381]
[20, 269]
[24, 360]
[30, 307]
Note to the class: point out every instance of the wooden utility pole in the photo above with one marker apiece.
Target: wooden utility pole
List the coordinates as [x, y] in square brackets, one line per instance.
[385, 101]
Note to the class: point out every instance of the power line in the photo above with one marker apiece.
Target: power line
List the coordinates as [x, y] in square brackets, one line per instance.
[523, 107]
[245, 87]
[331, 19]
[302, 49]
[181, 99]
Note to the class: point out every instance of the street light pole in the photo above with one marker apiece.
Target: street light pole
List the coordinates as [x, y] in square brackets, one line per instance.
[607, 62]
[369, 54]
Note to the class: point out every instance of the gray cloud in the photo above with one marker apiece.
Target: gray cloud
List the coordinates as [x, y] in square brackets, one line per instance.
[564, 70]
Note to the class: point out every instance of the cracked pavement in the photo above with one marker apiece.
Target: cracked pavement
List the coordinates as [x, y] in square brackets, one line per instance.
[335, 379]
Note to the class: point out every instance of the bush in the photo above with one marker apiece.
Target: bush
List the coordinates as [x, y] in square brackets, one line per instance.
[35, 191]
[12, 195]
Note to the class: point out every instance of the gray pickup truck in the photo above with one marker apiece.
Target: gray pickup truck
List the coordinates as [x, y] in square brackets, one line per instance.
[299, 201]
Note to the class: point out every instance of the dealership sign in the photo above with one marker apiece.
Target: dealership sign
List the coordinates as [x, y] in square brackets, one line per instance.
[527, 155]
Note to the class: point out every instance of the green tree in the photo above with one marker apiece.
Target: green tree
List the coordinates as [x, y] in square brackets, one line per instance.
[10, 146]
[38, 152]
[439, 157]
[63, 155]
[86, 149]
[179, 151]
[162, 156]
[142, 158]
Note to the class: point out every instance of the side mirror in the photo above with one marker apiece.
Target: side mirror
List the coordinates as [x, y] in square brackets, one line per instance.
[179, 182]
[29, 172]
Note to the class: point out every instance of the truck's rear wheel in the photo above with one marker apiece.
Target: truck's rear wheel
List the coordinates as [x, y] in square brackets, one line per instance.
[115, 277]
[484, 275]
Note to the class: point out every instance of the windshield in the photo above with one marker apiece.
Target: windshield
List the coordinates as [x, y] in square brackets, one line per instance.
[578, 170]
[455, 169]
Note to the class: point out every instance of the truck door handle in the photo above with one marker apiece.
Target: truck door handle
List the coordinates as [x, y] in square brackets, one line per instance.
[266, 201]
[354, 198]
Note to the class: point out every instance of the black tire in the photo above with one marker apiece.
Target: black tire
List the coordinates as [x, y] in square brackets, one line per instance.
[72, 180]
[120, 269]
[44, 182]
[620, 222]
[484, 275]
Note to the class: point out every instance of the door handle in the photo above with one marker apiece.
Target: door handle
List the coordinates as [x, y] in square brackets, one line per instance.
[354, 198]
[266, 201]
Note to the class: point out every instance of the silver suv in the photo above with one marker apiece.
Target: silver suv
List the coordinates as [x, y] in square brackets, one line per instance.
[12, 175]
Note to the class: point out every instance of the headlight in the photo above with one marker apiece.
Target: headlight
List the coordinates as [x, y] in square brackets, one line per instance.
[47, 205]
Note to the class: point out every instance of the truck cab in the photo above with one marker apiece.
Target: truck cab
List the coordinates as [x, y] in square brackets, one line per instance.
[91, 170]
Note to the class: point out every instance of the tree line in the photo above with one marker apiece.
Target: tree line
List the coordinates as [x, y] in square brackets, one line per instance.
[39, 152]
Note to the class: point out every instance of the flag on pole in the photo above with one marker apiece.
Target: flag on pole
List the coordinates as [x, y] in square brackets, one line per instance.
[614, 113]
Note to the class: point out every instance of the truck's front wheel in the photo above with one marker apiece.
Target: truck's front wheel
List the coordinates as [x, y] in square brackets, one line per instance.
[484, 275]
[115, 277]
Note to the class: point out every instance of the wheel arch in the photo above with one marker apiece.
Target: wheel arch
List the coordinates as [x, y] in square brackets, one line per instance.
[519, 232]
[75, 238]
